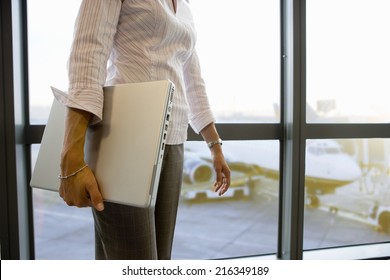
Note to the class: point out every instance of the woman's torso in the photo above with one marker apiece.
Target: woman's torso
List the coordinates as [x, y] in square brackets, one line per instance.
[153, 42]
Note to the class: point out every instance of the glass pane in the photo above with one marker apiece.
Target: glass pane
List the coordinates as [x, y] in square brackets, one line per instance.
[239, 50]
[49, 39]
[347, 192]
[347, 65]
[242, 222]
[250, 45]
[244, 51]
[60, 232]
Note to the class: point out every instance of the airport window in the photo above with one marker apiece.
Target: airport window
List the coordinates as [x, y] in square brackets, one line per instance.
[55, 235]
[61, 232]
[252, 47]
[347, 191]
[344, 162]
[242, 223]
[345, 83]
[49, 40]
[346, 71]
[246, 41]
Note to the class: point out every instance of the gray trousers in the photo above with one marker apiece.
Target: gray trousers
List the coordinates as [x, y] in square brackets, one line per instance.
[126, 232]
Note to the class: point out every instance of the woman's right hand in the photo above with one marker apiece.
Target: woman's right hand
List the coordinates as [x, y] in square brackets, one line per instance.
[78, 183]
[82, 190]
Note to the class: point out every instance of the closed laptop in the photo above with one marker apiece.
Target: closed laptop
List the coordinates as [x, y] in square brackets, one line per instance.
[125, 150]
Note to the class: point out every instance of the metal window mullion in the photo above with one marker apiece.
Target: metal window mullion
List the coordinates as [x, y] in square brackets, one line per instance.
[292, 148]
[15, 217]
[347, 130]
[10, 243]
[243, 131]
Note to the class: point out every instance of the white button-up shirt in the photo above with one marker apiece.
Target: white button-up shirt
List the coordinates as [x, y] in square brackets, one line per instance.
[137, 41]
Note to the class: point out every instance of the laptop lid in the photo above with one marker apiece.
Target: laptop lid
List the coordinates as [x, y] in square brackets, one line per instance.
[125, 150]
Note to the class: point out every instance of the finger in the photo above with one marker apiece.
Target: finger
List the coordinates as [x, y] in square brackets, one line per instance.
[69, 203]
[223, 188]
[228, 178]
[61, 191]
[96, 198]
[216, 187]
[64, 194]
[218, 182]
[226, 182]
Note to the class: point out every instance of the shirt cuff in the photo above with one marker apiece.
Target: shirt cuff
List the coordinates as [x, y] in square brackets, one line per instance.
[201, 121]
[82, 100]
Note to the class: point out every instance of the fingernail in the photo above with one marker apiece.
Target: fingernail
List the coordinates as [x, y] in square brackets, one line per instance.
[100, 207]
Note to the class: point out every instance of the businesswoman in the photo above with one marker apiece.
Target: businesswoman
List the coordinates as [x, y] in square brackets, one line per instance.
[125, 41]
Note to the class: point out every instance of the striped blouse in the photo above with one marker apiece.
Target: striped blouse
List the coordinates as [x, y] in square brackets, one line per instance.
[137, 41]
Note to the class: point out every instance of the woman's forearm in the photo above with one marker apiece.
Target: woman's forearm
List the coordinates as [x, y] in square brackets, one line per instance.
[72, 156]
[210, 134]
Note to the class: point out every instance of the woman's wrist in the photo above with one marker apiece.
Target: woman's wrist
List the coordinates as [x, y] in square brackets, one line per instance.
[71, 160]
[72, 156]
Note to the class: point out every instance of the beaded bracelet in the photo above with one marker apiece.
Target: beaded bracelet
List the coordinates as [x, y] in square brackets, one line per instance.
[74, 173]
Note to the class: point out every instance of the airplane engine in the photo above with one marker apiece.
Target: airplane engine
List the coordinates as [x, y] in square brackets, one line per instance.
[380, 215]
[197, 171]
[384, 221]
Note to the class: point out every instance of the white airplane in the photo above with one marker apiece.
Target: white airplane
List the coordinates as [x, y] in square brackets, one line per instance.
[327, 167]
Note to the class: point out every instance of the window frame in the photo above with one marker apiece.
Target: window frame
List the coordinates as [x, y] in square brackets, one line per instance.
[17, 236]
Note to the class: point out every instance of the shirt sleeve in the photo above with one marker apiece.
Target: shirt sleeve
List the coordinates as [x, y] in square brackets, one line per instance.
[200, 112]
[94, 32]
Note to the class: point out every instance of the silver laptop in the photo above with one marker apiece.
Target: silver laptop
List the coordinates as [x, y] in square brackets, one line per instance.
[125, 150]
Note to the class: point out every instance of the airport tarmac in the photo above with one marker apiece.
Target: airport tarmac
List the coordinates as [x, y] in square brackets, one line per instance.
[206, 229]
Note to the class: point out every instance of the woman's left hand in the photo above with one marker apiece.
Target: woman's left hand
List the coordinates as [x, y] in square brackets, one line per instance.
[222, 182]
